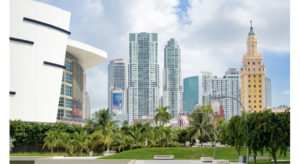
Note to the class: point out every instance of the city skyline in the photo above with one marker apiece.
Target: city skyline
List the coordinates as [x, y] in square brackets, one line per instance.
[180, 19]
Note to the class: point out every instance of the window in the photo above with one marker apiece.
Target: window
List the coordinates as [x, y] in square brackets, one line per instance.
[249, 81]
[249, 106]
[249, 96]
[248, 63]
[249, 75]
[63, 78]
[68, 90]
[62, 89]
[68, 78]
[69, 66]
[254, 101]
[260, 106]
[259, 91]
[61, 101]
[254, 75]
[259, 101]
[254, 96]
[68, 114]
[249, 86]
[259, 96]
[60, 114]
[249, 101]
[253, 63]
[254, 86]
[260, 81]
[259, 86]
[254, 106]
[68, 103]
[259, 75]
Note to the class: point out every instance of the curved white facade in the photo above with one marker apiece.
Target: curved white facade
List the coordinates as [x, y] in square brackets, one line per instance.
[38, 45]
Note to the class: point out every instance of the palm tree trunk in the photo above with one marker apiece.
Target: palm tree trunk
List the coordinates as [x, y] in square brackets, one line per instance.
[81, 152]
[274, 156]
[254, 157]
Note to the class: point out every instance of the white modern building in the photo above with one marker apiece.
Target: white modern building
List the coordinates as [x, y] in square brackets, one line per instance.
[172, 82]
[143, 75]
[228, 85]
[39, 51]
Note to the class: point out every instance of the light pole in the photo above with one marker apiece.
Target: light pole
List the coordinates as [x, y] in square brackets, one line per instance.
[224, 96]
[213, 120]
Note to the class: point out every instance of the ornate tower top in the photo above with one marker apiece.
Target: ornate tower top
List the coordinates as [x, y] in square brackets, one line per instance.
[251, 29]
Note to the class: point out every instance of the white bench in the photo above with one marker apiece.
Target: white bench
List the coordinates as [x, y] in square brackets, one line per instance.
[220, 162]
[163, 157]
[206, 159]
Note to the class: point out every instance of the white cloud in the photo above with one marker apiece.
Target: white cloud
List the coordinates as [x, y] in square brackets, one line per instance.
[213, 40]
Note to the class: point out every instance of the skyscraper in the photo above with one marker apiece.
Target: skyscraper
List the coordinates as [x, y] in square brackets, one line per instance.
[117, 90]
[268, 92]
[143, 73]
[191, 92]
[172, 84]
[228, 85]
[252, 76]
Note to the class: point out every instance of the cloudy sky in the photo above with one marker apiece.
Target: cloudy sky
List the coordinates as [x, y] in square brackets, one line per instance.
[211, 33]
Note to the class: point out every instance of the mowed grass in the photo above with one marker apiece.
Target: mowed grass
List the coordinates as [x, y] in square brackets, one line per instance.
[228, 153]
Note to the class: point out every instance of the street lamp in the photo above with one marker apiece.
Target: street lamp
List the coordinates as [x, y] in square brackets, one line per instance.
[213, 120]
[224, 96]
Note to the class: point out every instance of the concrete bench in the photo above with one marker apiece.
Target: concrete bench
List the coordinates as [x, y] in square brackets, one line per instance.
[220, 162]
[163, 157]
[206, 159]
[260, 159]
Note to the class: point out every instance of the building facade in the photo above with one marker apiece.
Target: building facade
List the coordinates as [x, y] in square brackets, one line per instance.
[228, 85]
[253, 76]
[172, 84]
[39, 52]
[143, 73]
[268, 92]
[191, 92]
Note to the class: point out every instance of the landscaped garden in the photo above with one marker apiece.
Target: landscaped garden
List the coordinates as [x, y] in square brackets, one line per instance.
[265, 133]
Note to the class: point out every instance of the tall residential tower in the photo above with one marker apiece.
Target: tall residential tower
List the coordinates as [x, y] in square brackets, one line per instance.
[252, 76]
[228, 85]
[172, 84]
[143, 73]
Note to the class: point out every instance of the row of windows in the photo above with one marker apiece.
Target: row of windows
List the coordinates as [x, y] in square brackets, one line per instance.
[254, 86]
[68, 78]
[254, 101]
[253, 63]
[61, 114]
[68, 90]
[254, 96]
[254, 106]
[67, 103]
[254, 75]
[254, 81]
[68, 66]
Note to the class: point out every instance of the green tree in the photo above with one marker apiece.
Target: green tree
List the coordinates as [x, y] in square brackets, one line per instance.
[81, 141]
[64, 140]
[103, 137]
[200, 124]
[162, 115]
[50, 141]
[169, 136]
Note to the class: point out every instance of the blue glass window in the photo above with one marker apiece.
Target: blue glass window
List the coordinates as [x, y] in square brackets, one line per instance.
[62, 89]
[68, 103]
[68, 113]
[61, 101]
[68, 90]
[68, 78]
[69, 66]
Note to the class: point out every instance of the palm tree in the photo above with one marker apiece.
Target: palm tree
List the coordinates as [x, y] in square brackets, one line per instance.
[162, 115]
[200, 128]
[63, 140]
[50, 140]
[81, 141]
[123, 140]
[169, 136]
[104, 136]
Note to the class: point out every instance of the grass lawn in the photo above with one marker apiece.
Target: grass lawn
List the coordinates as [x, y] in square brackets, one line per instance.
[49, 154]
[228, 153]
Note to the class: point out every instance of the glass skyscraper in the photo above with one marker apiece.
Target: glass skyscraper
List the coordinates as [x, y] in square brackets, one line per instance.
[191, 92]
[172, 84]
[117, 90]
[143, 73]
[268, 92]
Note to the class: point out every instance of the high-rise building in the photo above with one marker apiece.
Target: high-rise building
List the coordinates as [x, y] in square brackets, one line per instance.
[268, 92]
[87, 104]
[143, 73]
[191, 92]
[253, 76]
[228, 85]
[117, 90]
[172, 84]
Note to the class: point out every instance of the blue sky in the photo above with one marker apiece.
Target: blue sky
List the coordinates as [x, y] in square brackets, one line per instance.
[211, 33]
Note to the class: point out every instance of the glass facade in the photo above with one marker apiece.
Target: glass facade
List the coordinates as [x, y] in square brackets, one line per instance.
[68, 78]
[68, 91]
[191, 92]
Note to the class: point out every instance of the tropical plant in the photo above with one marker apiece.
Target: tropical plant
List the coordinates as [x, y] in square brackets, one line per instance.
[169, 136]
[50, 141]
[200, 124]
[63, 140]
[81, 141]
[162, 115]
[11, 143]
[103, 137]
